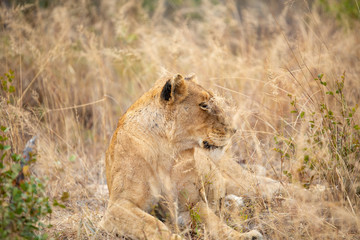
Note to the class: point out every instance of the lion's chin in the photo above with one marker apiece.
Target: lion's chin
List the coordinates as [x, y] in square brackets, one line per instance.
[214, 152]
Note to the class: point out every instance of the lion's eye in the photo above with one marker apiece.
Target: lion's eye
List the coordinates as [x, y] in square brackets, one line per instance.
[204, 106]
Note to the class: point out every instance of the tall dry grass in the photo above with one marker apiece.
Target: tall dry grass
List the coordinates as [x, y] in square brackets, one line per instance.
[79, 66]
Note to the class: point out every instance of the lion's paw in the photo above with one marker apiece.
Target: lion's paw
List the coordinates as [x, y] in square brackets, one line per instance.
[233, 200]
[253, 235]
[175, 237]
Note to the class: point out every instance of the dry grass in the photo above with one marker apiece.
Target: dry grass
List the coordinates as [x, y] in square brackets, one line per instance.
[78, 67]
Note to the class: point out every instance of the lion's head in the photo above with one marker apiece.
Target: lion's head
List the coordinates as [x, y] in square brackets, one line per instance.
[197, 116]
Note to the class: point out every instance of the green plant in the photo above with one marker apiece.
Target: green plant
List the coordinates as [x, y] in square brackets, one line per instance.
[332, 140]
[23, 203]
[40, 3]
[22, 197]
[6, 86]
[345, 11]
[195, 219]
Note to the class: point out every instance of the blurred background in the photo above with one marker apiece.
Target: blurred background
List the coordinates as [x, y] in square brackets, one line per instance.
[289, 69]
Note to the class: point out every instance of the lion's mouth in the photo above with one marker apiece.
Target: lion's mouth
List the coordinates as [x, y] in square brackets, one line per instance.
[209, 146]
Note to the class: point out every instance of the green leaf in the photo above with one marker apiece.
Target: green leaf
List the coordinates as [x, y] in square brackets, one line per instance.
[65, 196]
[3, 139]
[302, 114]
[329, 93]
[4, 129]
[4, 85]
[15, 157]
[357, 127]
[72, 158]
[306, 158]
[57, 204]
[6, 147]
[11, 89]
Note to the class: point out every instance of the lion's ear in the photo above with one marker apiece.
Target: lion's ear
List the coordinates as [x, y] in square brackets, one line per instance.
[191, 77]
[174, 89]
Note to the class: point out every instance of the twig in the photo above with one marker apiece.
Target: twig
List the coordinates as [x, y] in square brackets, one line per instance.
[76, 106]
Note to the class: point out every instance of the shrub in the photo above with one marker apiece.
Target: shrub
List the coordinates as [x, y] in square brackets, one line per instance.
[23, 203]
[331, 148]
[22, 197]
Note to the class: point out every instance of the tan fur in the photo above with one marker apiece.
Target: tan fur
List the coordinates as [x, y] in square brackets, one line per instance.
[203, 183]
[154, 132]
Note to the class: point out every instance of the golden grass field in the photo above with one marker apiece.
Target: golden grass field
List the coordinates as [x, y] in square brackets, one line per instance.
[78, 65]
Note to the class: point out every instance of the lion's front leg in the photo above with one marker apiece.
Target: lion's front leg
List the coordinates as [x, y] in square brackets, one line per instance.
[252, 185]
[218, 229]
[242, 182]
[131, 196]
[125, 218]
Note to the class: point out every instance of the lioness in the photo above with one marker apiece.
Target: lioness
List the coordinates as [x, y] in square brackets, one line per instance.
[172, 118]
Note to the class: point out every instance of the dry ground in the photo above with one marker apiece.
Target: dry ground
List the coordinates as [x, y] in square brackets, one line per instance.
[79, 65]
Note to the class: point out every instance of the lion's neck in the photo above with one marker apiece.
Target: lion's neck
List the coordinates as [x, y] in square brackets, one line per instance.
[150, 126]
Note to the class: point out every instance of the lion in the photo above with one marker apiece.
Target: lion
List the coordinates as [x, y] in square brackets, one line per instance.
[173, 118]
